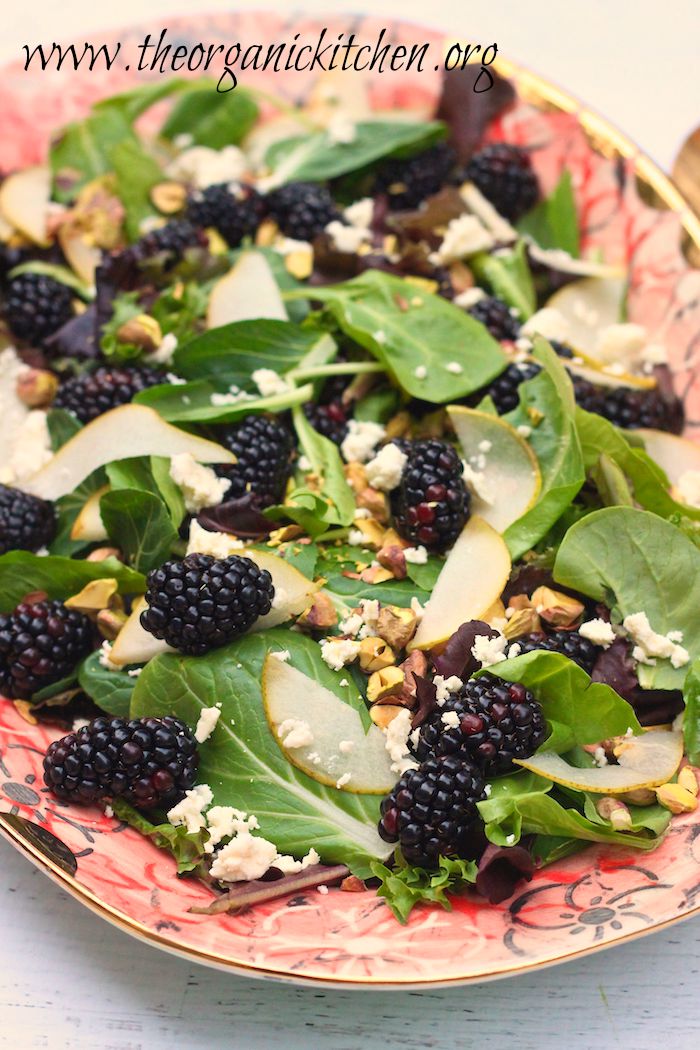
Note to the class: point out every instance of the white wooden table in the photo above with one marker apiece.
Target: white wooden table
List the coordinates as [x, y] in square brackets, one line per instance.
[68, 980]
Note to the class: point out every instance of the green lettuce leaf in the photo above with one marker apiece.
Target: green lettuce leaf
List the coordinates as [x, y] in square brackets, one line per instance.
[507, 273]
[186, 847]
[553, 222]
[404, 886]
[211, 118]
[110, 690]
[22, 573]
[691, 717]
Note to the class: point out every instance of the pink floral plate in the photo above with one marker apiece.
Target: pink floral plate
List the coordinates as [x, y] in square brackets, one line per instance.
[633, 214]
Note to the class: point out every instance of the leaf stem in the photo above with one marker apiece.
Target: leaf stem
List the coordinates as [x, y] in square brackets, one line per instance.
[342, 368]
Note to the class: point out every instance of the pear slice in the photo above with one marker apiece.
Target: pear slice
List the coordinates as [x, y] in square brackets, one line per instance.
[24, 202]
[471, 580]
[512, 470]
[675, 455]
[589, 306]
[597, 373]
[560, 260]
[644, 762]
[130, 430]
[248, 292]
[135, 645]
[364, 760]
[83, 258]
[88, 526]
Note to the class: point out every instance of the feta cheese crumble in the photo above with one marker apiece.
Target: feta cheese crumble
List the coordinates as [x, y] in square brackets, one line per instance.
[598, 631]
[346, 239]
[269, 383]
[346, 746]
[337, 652]
[203, 166]
[489, 651]
[103, 658]
[445, 686]
[189, 812]
[362, 438]
[217, 544]
[245, 858]
[342, 781]
[454, 367]
[549, 323]
[360, 213]
[450, 719]
[295, 733]
[649, 645]
[416, 555]
[199, 485]
[281, 654]
[396, 743]
[385, 470]
[206, 724]
[464, 236]
[420, 372]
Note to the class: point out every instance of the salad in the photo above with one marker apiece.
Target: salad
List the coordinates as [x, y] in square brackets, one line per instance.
[347, 535]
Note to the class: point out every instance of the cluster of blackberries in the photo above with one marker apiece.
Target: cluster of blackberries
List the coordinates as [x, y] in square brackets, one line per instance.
[430, 505]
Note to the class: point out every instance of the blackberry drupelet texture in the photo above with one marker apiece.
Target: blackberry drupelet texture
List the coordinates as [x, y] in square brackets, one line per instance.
[431, 503]
[167, 243]
[330, 419]
[569, 643]
[26, 522]
[630, 408]
[504, 389]
[504, 175]
[235, 210]
[498, 722]
[88, 395]
[146, 761]
[431, 813]
[263, 448]
[201, 602]
[40, 643]
[302, 210]
[408, 181]
[496, 316]
[36, 306]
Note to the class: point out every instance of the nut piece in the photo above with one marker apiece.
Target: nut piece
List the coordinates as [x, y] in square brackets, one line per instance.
[375, 654]
[394, 560]
[351, 884]
[320, 615]
[676, 798]
[372, 531]
[616, 812]
[396, 625]
[300, 263]
[373, 501]
[688, 780]
[94, 597]
[102, 553]
[639, 797]
[382, 683]
[556, 608]
[143, 331]
[37, 388]
[376, 574]
[398, 426]
[169, 197]
[110, 622]
[523, 621]
[383, 714]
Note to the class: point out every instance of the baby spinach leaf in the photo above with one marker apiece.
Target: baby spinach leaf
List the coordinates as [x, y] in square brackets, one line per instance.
[553, 222]
[140, 523]
[22, 573]
[691, 717]
[315, 157]
[547, 406]
[149, 474]
[82, 150]
[136, 173]
[170, 493]
[192, 402]
[62, 427]
[408, 329]
[633, 560]
[133, 103]
[242, 762]
[111, 690]
[404, 886]
[303, 556]
[507, 273]
[212, 118]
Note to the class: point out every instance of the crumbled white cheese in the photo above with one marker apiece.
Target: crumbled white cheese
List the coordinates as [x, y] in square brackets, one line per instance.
[245, 858]
[420, 372]
[29, 449]
[351, 624]
[450, 719]
[202, 166]
[359, 213]
[226, 821]
[109, 812]
[396, 743]
[454, 368]
[323, 890]
[217, 544]
[79, 723]
[346, 239]
[489, 651]
[485, 446]
[289, 866]
[103, 658]
[295, 733]
[599, 757]
[524, 430]
[343, 682]
[233, 396]
[477, 483]
[206, 723]
[313, 756]
[489, 216]
[199, 485]
[510, 840]
[346, 746]
[356, 538]
[337, 652]
[190, 810]
[649, 645]
[134, 672]
[445, 686]
[269, 383]
[163, 353]
[469, 297]
[487, 790]
[341, 130]
[464, 236]
[369, 610]
[304, 463]
[513, 651]
[362, 438]
[281, 654]
[288, 246]
[385, 470]
[598, 631]
[549, 323]
[342, 781]
[688, 488]
[416, 555]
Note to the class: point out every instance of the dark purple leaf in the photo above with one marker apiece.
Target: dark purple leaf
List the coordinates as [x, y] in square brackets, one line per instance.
[241, 517]
[77, 337]
[456, 657]
[615, 667]
[501, 868]
[468, 112]
[246, 894]
[426, 695]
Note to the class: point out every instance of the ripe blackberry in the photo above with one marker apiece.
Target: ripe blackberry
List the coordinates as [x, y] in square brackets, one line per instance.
[146, 761]
[498, 722]
[263, 447]
[408, 181]
[432, 812]
[570, 643]
[504, 175]
[331, 420]
[302, 210]
[167, 244]
[628, 407]
[496, 316]
[431, 503]
[40, 643]
[26, 522]
[36, 306]
[504, 389]
[88, 395]
[202, 602]
[234, 209]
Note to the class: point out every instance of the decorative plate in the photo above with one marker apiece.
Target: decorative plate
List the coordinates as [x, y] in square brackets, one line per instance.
[600, 897]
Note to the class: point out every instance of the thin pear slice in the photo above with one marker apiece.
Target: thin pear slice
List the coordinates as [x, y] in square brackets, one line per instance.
[511, 467]
[601, 375]
[24, 202]
[133, 644]
[83, 258]
[589, 306]
[471, 580]
[130, 430]
[644, 762]
[248, 292]
[88, 526]
[563, 262]
[363, 759]
[675, 455]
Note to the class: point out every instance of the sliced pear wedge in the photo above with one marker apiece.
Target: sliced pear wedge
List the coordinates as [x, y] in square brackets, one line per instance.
[130, 430]
[601, 375]
[88, 525]
[644, 762]
[675, 455]
[563, 262]
[24, 202]
[512, 470]
[83, 258]
[248, 292]
[363, 760]
[133, 644]
[589, 306]
[470, 582]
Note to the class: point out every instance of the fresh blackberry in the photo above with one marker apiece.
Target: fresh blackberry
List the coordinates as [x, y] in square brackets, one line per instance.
[504, 389]
[26, 522]
[302, 210]
[628, 407]
[431, 813]
[88, 395]
[497, 317]
[40, 643]
[36, 306]
[504, 175]
[561, 349]
[234, 209]
[408, 181]
[331, 420]
[498, 722]
[168, 243]
[146, 761]
[431, 503]
[570, 643]
[202, 602]
[262, 446]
